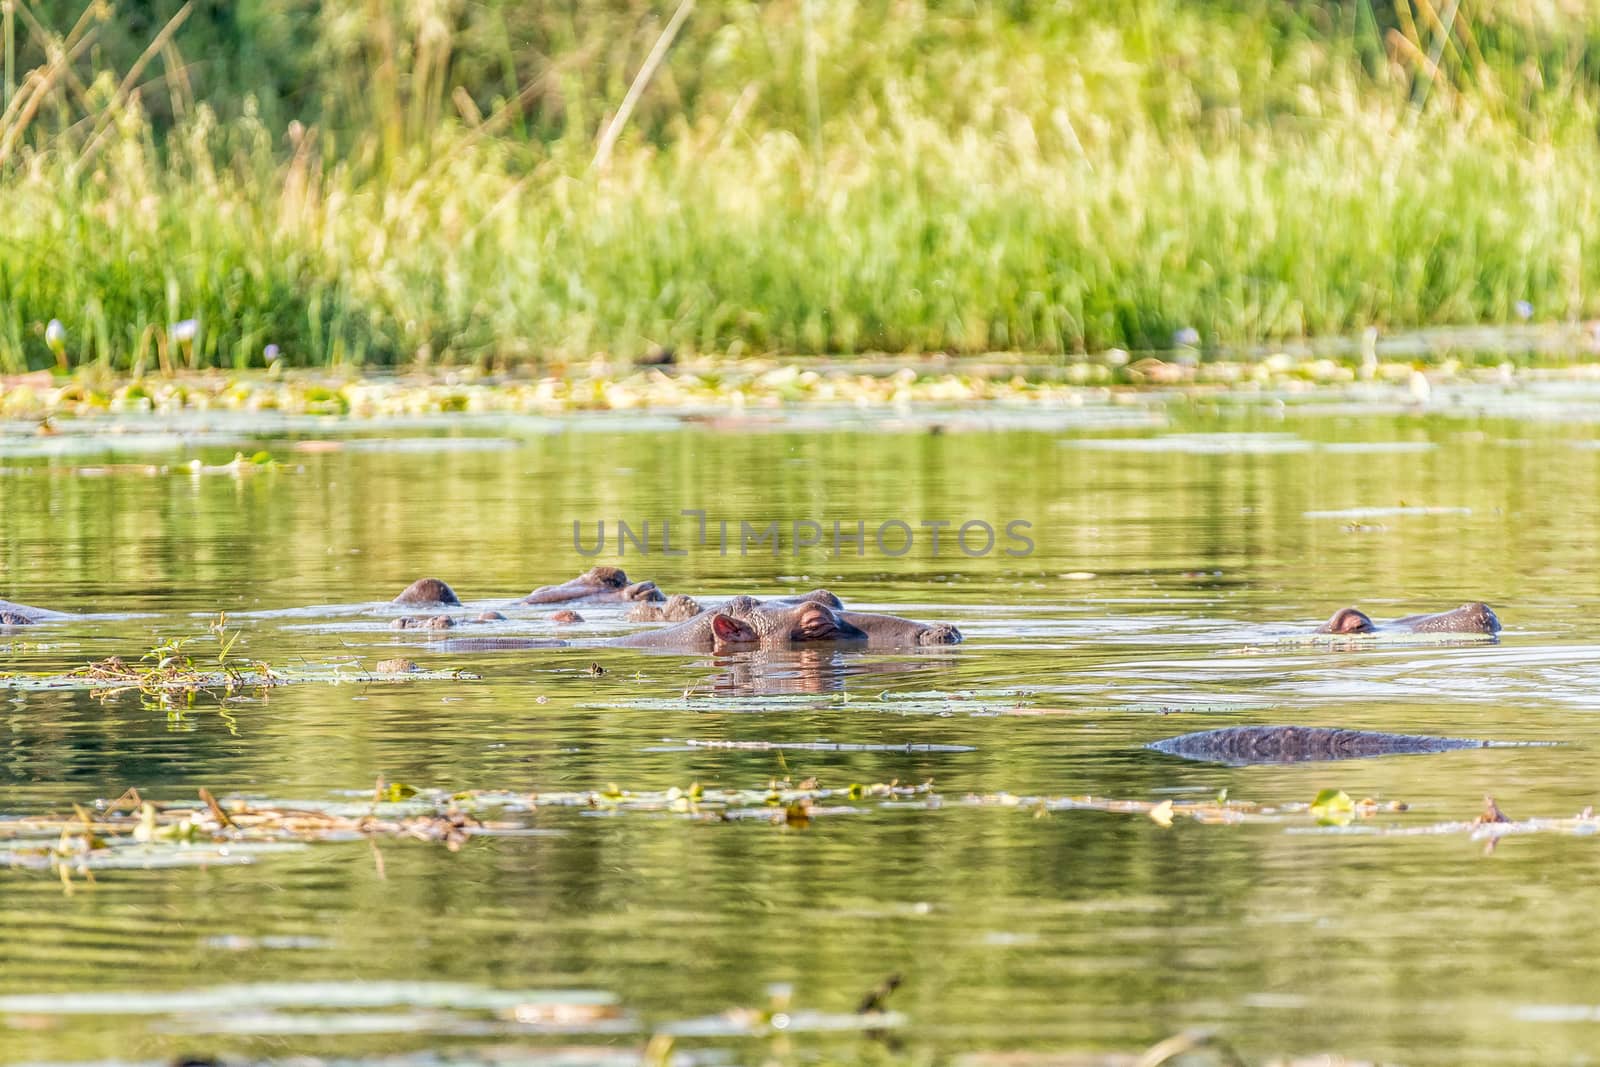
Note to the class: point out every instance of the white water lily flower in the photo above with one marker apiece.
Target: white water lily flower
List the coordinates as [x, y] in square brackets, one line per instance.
[271, 353]
[55, 335]
[187, 330]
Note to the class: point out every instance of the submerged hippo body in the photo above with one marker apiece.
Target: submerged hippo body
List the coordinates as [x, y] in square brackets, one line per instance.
[427, 592]
[1244, 745]
[495, 644]
[1475, 618]
[597, 585]
[22, 615]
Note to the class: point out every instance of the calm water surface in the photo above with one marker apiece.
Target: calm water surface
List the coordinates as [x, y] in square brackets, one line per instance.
[1175, 542]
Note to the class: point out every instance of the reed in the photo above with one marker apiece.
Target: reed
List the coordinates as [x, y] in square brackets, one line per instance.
[804, 176]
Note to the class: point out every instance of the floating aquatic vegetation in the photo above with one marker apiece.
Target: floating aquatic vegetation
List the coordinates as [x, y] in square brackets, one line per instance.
[1384, 512]
[174, 672]
[1085, 392]
[319, 1008]
[133, 832]
[812, 746]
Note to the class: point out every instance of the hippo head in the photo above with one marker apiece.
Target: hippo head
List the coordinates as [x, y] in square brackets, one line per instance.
[1348, 621]
[939, 633]
[597, 583]
[1474, 618]
[603, 578]
[427, 591]
[1482, 617]
[565, 617]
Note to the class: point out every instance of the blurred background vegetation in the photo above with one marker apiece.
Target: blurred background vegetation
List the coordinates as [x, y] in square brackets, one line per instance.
[389, 181]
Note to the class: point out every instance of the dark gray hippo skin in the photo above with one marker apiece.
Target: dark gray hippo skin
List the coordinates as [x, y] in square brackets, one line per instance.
[597, 585]
[427, 592]
[1241, 746]
[1475, 618]
[22, 615]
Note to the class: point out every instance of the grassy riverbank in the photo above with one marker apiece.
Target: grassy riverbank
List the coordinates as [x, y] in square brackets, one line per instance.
[803, 177]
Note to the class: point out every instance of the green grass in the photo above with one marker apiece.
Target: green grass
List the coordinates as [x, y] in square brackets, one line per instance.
[954, 177]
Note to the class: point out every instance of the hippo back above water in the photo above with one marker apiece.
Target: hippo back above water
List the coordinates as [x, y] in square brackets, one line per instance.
[23, 615]
[427, 592]
[597, 585]
[1244, 745]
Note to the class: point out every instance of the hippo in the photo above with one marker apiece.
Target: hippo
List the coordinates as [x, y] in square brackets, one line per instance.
[775, 626]
[411, 622]
[798, 623]
[1241, 746]
[22, 615]
[1475, 618]
[427, 592]
[677, 608]
[710, 631]
[881, 630]
[597, 585]
[566, 617]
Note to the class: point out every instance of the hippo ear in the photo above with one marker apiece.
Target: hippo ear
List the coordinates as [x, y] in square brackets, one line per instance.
[1349, 621]
[727, 628]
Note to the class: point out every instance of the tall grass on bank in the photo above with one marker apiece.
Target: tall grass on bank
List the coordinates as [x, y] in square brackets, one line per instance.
[1075, 179]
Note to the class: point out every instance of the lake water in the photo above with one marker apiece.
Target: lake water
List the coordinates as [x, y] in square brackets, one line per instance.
[1177, 541]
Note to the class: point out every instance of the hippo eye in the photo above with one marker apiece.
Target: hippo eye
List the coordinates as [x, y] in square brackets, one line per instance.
[818, 623]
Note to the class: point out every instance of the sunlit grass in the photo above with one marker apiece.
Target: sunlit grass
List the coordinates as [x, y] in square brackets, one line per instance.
[1083, 180]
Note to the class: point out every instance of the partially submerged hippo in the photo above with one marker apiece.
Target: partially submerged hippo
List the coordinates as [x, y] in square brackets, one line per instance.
[881, 630]
[800, 622]
[427, 592]
[595, 585]
[411, 622]
[1241, 746]
[22, 615]
[1476, 618]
